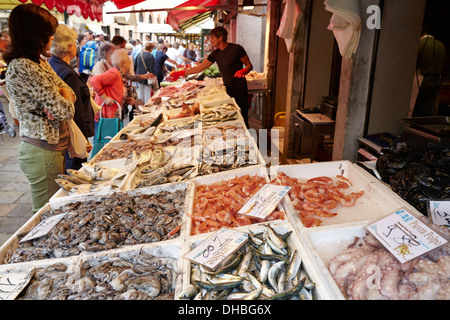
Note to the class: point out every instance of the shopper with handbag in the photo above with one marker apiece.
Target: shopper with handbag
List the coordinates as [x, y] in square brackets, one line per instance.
[63, 51]
[42, 101]
[110, 91]
[144, 63]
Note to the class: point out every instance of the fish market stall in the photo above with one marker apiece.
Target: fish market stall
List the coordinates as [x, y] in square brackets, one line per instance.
[183, 170]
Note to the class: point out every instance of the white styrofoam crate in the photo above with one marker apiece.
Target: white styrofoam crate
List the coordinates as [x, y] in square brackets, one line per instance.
[13, 241]
[256, 170]
[168, 249]
[30, 267]
[321, 291]
[377, 201]
[324, 243]
[215, 104]
[212, 97]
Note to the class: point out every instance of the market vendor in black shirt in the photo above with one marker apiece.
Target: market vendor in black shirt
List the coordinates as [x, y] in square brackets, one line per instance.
[230, 58]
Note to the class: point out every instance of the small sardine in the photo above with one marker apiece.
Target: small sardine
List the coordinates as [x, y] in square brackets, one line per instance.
[265, 289]
[264, 272]
[305, 294]
[271, 257]
[232, 265]
[189, 293]
[245, 263]
[279, 242]
[238, 295]
[288, 294]
[219, 286]
[273, 272]
[275, 248]
[281, 283]
[293, 267]
[224, 277]
[253, 295]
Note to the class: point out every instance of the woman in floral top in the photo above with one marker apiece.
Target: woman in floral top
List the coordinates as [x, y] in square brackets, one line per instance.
[42, 101]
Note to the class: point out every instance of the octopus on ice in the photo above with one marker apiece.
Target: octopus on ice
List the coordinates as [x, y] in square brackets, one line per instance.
[367, 271]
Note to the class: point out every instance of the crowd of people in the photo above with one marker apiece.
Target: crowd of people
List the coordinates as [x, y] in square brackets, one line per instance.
[55, 75]
[47, 87]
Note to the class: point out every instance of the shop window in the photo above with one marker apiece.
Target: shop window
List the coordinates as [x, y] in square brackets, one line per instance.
[150, 19]
[158, 19]
[117, 31]
[130, 34]
[141, 17]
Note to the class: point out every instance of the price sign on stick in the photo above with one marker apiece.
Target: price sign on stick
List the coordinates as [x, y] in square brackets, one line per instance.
[439, 211]
[264, 201]
[211, 252]
[405, 236]
[43, 227]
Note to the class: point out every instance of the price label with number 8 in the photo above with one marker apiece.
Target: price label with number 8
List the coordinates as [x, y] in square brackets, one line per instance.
[217, 248]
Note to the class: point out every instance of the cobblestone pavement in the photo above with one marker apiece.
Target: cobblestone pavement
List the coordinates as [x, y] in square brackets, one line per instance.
[15, 196]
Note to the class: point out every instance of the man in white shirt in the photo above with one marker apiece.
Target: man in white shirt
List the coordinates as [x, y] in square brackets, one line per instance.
[137, 48]
[181, 51]
[172, 53]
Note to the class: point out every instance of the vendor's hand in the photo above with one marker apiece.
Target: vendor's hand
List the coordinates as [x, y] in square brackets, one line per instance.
[50, 116]
[175, 75]
[241, 73]
[88, 147]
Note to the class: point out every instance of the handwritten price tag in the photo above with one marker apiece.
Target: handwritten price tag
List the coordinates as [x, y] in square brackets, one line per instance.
[43, 227]
[405, 236]
[211, 252]
[439, 211]
[11, 284]
[264, 201]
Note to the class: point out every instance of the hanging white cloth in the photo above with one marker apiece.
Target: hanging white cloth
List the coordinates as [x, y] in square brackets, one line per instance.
[345, 24]
[289, 22]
